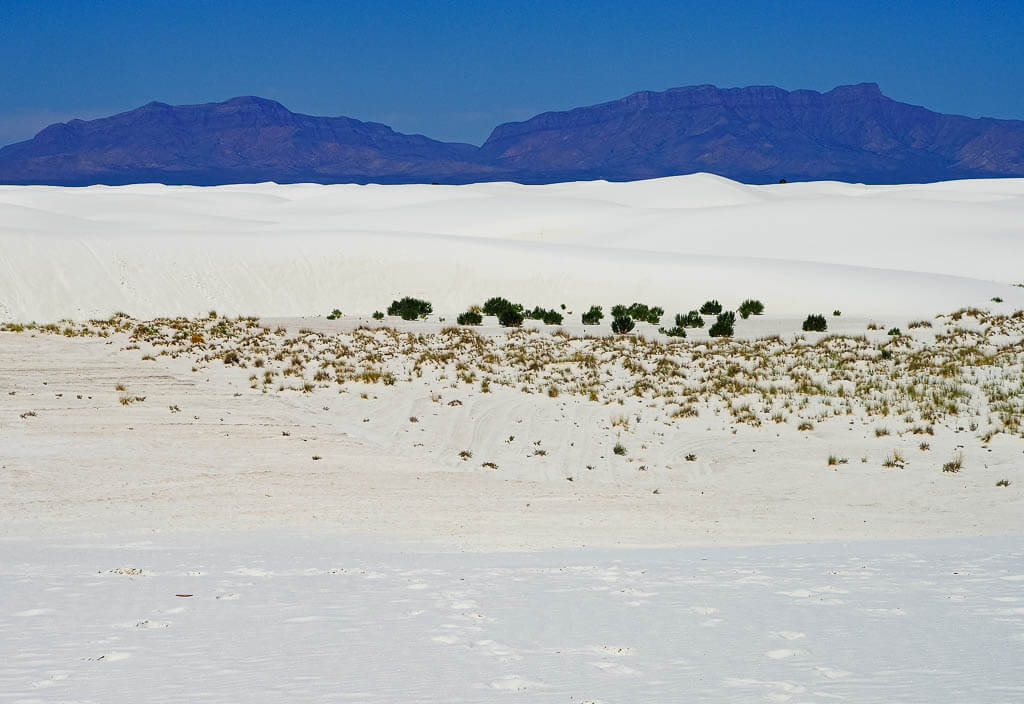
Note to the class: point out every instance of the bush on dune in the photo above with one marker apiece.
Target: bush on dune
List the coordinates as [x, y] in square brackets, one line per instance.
[592, 316]
[724, 325]
[622, 324]
[815, 323]
[496, 305]
[410, 308]
[750, 307]
[711, 307]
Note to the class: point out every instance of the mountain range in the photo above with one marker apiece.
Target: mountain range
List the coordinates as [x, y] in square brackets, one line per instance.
[757, 134]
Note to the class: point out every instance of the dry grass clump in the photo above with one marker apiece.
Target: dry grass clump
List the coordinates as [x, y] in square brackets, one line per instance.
[969, 376]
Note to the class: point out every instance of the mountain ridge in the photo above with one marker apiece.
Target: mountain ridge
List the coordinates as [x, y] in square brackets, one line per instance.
[755, 134]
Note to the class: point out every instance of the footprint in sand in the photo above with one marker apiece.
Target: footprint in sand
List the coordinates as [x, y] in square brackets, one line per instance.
[789, 635]
[513, 683]
[109, 657]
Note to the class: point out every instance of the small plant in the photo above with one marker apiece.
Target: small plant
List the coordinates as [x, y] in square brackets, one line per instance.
[495, 306]
[881, 432]
[806, 425]
[465, 455]
[837, 313]
[815, 323]
[955, 464]
[592, 316]
[997, 299]
[622, 325]
[1003, 482]
[377, 315]
[723, 326]
[469, 318]
[711, 307]
[693, 319]
[619, 449]
[894, 332]
[410, 308]
[677, 331]
[510, 318]
[834, 460]
[924, 447]
[335, 314]
[750, 307]
[894, 459]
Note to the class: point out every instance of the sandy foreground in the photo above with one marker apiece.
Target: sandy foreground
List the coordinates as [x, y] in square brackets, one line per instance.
[295, 509]
[177, 536]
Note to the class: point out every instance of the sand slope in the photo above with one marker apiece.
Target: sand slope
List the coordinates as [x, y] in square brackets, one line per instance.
[304, 249]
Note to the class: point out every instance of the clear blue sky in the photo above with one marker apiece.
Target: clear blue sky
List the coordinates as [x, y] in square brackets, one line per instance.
[453, 70]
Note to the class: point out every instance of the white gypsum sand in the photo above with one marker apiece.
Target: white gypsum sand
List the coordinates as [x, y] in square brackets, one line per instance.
[290, 250]
[412, 514]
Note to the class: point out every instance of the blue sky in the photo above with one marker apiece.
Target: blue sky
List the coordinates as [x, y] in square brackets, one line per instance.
[453, 70]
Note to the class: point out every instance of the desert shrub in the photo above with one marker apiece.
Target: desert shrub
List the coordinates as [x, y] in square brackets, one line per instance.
[377, 315]
[619, 449]
[639, 311]
[677, 331]
[510, 317]
[552, 317]
[837, 313]
[592, 316]
[549, 317]
[410, 308]
[724, 325]
[693, 319]
[335, 314]
[495, 306]
[815, 323]
[711, 307]
[895, 332]
[469, 318]
[750, 307]
[622, 324]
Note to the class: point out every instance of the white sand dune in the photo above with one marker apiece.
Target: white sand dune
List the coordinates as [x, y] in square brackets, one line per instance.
[291, 250]
[172, 528]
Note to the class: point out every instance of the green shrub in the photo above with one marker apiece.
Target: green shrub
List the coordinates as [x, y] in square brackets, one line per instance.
[622, 325]
[693, 319]
[552, 317]
[377, 315]
[895, 332]
[410, 308]
[469, 318]
[724, 325]
[510, 317]
[593, 316]
[549, 317]
[677, 331]
[815, 323]
[495, 306]
[750, 307]
[837, 313]
[335, 314]
[619, 449]
[711, 307]
[639, 311]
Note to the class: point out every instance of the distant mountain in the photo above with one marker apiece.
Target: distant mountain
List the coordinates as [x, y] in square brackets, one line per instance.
[757, 134]
[241, 140]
